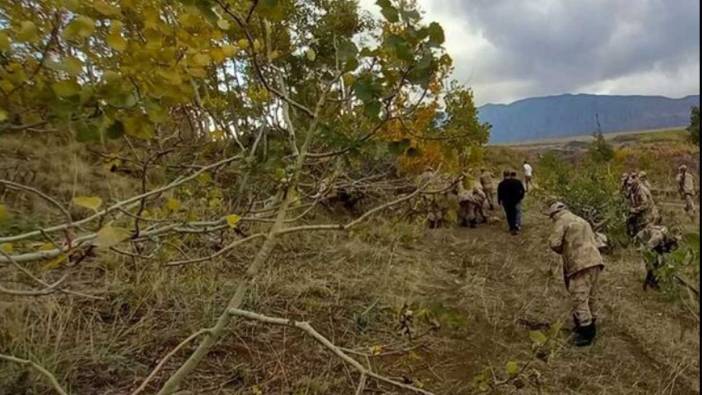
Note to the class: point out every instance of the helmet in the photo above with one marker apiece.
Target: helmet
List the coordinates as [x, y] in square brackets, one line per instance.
[682, 167]
[642, 174]
[556, 208]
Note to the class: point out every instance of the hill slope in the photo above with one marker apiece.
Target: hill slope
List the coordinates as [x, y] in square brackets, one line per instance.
[570, 115]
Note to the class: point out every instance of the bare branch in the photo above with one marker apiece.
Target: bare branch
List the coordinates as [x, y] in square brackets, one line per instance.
[306, 327]
[14, 185]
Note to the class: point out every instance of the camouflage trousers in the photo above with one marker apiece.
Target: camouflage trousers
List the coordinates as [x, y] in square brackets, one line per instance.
[490, 194]
[689, 203]
[582, 287]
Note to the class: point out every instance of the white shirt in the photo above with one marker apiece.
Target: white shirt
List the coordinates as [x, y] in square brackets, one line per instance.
[527, 170]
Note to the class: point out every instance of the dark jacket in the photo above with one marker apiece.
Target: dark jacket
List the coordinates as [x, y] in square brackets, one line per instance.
[510, 192]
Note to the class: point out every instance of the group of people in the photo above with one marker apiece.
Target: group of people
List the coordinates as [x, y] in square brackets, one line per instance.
[574, 239]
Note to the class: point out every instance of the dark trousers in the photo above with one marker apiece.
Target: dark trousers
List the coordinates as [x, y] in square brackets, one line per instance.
[512, 215]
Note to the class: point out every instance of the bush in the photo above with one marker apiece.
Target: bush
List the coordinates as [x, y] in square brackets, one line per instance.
[694, 127]
[590, 189]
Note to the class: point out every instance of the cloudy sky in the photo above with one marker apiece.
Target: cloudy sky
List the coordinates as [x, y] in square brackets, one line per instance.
[512, 49]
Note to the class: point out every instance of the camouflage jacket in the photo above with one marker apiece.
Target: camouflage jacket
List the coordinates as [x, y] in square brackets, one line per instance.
[686, 184]
[486, 181]
[574, 239]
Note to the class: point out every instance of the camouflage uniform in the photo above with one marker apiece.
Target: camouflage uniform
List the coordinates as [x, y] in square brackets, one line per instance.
[686, 188]
[433, 203]
[488, 187]
[655, 241]
[574, 239]
[643, 179]
[643, 210]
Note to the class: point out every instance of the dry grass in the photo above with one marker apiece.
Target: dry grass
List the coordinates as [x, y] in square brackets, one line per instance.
[484, 288]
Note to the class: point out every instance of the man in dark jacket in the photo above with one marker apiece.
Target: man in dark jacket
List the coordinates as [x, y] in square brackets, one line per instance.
[510, 193]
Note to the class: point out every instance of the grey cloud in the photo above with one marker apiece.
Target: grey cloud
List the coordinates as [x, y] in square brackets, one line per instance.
[540, 47]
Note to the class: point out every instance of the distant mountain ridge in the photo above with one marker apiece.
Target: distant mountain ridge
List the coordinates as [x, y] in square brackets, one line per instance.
[577, 114]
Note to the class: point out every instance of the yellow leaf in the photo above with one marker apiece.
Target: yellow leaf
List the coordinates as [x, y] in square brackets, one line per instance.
[72, 66]
[116, 41]
[66, 88]
[376, 350]
[54, 263]
[4, 214]
[79, 28]
[109, 236]
[110, 76]
[3, 115]
[201, 59]
[7, 248]
[198, 72]
[91, 202]
[105, 8]
[257, 45]
[173, 204]
[228, 50]
[139, 127]
[537, 337]
[223, 24]
[243, 43]
[512, 368]
[217, 55]
[275, 54]
[28, 32]
[170, 75]
[233, 220]
[46, 247]
[4, 41]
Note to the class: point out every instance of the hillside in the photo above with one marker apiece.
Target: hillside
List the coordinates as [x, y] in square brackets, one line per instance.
[571, 115]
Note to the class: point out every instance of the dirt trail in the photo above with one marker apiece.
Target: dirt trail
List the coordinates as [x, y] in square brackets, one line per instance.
[489, 289]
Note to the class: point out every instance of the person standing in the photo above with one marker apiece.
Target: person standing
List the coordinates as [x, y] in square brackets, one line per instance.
[510, 193]
[686, 188]
[527, 175]
[574, 239]
[643, 210]
[488, 187]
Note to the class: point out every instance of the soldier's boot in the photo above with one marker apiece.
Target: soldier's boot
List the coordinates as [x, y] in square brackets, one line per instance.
[584, 335]
[472, 223]
[650, 281]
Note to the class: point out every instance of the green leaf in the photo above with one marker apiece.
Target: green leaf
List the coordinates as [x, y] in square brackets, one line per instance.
[110, 236]
[537, 337]
[86, 132]
[398, 147]
[390, 14]
[223, 24]
[105, 8]
[512, 368]
[311, 55]
[173, 204]
[71, 66]
[365, 88]
[115, 130]
[372, 109]
[436, 34]
[66, 88]
[383, 3]
[233, 220]
[91, 202]
[139, 127]
[400, 47]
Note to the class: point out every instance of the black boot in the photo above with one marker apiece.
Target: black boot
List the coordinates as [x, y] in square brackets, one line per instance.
[584, 335]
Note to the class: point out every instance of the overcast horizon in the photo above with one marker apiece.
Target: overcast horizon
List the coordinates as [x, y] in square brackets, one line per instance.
[512, 50]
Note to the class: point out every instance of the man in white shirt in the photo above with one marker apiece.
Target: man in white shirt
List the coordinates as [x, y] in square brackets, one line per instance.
[527, 175]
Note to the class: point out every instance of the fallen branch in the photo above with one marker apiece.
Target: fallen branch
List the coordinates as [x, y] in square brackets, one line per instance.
[166, 358]
[306, 327]
[39, 368]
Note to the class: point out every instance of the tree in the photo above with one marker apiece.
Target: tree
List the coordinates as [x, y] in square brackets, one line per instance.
[600, 150]
[240, 105]
[694, 128]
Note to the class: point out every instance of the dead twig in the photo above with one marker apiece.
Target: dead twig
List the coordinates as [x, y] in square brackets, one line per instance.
[38, 368]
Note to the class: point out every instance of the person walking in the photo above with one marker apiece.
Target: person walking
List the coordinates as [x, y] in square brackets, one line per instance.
[574, 239]
[527, 175]
[510, 193]
[686, 188]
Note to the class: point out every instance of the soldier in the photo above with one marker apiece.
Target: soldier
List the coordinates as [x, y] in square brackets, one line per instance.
[656, 241]
[686, 188]
[471, 203]
[643, 210]
[488, 187]
[430, 202]
[574, 239]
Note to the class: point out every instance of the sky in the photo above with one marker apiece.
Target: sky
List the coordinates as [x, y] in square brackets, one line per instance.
[507, 50]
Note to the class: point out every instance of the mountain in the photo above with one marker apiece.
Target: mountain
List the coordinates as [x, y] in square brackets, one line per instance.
[571, 115]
